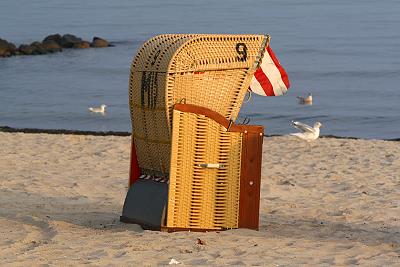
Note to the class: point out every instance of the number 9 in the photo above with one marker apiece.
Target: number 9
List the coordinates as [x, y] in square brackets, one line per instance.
[241, 49]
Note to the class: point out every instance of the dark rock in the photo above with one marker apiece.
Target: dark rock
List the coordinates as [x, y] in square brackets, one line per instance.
[51, 46]
[52, 38]
[99, 42]
[7, 49]
[69, 40]
[25, 49]
[38, 48]
[52, 43]
[82, 45]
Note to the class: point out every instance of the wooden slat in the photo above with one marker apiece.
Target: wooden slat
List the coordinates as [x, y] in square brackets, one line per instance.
[230, 126]
[250, 180]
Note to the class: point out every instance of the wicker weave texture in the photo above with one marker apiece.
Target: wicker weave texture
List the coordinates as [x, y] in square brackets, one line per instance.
[199, 197]
[151, 133]
[213, 71]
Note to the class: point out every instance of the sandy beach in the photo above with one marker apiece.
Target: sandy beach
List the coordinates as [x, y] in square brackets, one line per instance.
[333, 202]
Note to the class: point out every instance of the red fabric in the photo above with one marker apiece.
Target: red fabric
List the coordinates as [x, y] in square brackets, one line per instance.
[270, 79]
[134, 171]
[264, 82]
[285, 77]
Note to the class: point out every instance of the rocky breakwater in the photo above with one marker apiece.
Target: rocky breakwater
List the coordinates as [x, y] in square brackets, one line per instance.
[51, 44]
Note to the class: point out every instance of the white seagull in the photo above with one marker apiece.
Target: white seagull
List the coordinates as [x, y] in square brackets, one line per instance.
[101, 109]
[305, 100]
[308, 133]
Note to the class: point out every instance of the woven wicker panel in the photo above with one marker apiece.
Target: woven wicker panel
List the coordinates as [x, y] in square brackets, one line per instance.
[213, 71]
[150, 130]
[203, 198]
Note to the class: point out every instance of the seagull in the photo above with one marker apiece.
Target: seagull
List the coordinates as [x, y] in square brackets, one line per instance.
[305, 100]
[308, 133]
[101, 109]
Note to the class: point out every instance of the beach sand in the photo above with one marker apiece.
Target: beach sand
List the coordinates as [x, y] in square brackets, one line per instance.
[329, 202]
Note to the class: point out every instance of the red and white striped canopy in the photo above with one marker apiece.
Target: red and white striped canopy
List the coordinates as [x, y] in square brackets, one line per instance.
[270, 79]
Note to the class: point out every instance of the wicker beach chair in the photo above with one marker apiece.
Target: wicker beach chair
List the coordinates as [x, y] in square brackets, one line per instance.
[197, 169]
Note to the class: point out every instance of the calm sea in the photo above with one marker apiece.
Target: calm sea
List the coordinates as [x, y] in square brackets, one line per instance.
[346, 53]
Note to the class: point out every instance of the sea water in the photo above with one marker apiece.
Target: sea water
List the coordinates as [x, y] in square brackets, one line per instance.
[346, 53]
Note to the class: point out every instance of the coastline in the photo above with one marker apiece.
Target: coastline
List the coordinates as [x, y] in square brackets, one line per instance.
[330, 202]
[7, 129]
